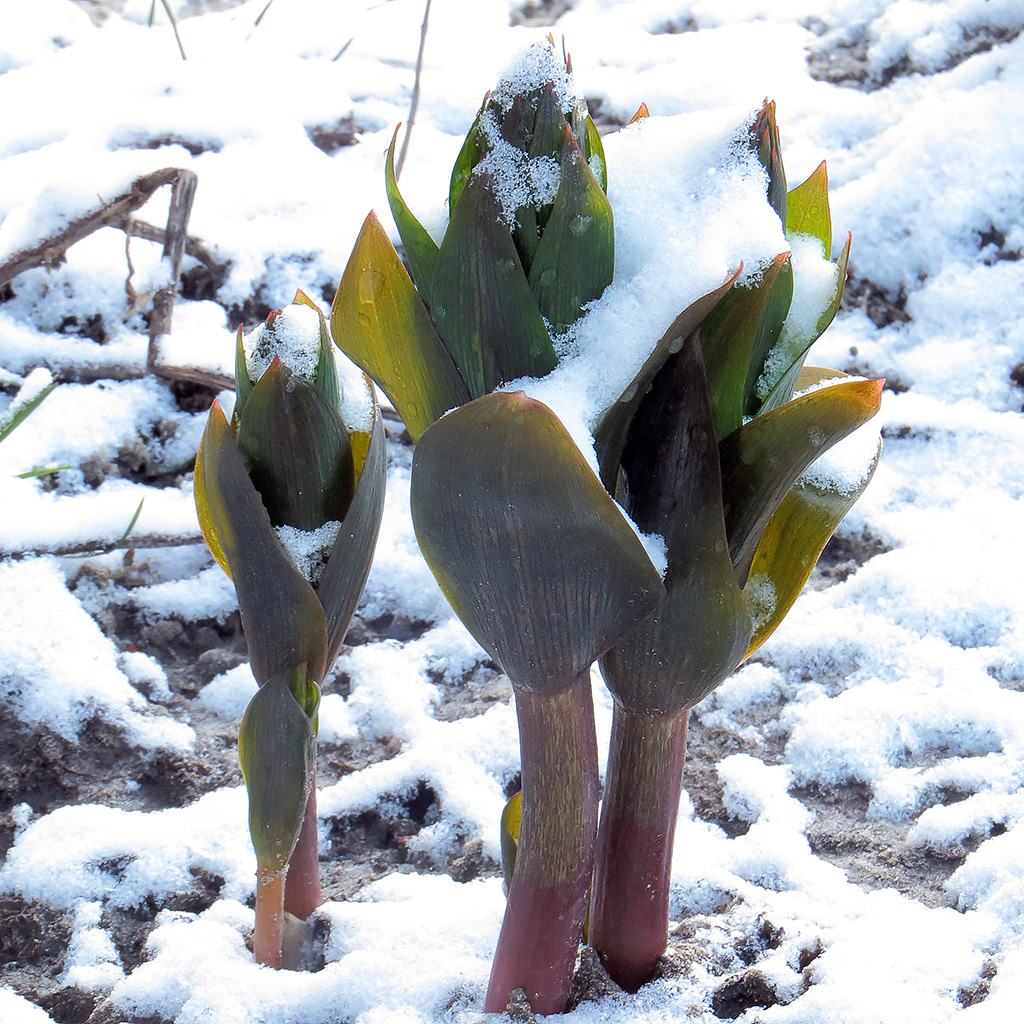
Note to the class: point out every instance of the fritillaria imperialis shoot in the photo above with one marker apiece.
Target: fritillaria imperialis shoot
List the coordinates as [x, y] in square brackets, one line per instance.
[290, 495]
[542, 567]
[531, 551]
[529, 243]
[713, 458]
[708, 447]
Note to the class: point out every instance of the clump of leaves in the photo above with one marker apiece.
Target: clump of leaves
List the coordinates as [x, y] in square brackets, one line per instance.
[709, 450]
[531, 551]
[290, 495]
[529, 243]
[707, 447]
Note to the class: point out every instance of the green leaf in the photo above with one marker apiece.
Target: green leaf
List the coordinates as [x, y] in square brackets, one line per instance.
[576, 257]
[379, 322]
[795, 537]
[470, 154]
[325, 378]
[277, 750]
[549, 127]
[531, 552]
[699, 633]
[764, 138]
[243, 382]
[349, 564]
[420, 248]
[729, 335]
[297, 450]
[595, 154]
[30, 474]
[762, 460]
[282, 618]
[21, 408]
[511, 817]
[783, 364]
[613, 427]
[807, 211]
[483, 307]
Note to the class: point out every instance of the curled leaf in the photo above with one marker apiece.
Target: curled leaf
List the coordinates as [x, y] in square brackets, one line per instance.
[277, 750]
[379, 322]
[529, 549]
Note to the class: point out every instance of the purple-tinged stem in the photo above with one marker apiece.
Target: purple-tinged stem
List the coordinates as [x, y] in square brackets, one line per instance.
[547, 901]
[269, 931]
[302, 893]
[629, 910]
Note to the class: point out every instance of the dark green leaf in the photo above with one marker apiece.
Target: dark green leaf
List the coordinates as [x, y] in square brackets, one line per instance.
[420, 248]
[277, 750]
[470, 154]
[769, 330]
[783, 367]
[297, 450]
[728, 337]
[483, 307]
[281, 616]
[349, 564]
[764, 138]
[532, 553]
[700, 632]
[761, 460]
[610, 436]
[379, 322]
[576, 257]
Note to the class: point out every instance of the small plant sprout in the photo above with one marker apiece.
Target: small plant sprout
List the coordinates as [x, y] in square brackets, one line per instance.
[529, 243]
[718, 458]
[290, 495]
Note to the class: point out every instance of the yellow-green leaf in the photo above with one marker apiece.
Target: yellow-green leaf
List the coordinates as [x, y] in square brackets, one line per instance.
[762, 460]
[511, 817]
[807, 211]
[282, 618]
[379, 322]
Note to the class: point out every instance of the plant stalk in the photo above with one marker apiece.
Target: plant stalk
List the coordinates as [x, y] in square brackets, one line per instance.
[302, 890]
[629, 911]
[547, 901]
[269, 932]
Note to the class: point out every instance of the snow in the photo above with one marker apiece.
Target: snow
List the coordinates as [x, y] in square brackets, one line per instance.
[901, 682]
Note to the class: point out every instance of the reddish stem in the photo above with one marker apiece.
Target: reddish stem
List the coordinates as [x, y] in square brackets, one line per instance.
[547, 900]
[266, 940]
[302, 890]
[629, 912]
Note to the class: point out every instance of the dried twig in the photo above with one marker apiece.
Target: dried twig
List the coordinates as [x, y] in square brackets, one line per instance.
[182, 194]
[151, 233]
[50, 252]
[415, 102]
[103, 547]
